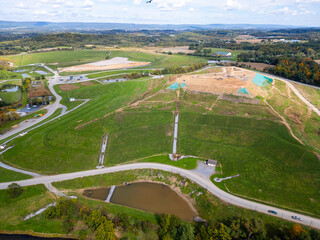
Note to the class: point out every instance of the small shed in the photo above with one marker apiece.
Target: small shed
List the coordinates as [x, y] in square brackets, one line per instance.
[72, 99]
[212, 163]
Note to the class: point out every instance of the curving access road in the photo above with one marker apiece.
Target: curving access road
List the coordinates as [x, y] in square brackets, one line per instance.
[200, 180]
[51, 108]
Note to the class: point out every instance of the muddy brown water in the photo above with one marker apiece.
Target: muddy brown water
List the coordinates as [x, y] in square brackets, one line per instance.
[150, 197]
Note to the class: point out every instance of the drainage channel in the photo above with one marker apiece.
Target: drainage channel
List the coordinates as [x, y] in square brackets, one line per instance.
[103, 151]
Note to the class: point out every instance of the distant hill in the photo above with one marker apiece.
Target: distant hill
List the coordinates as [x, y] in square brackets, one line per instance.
[21, 27]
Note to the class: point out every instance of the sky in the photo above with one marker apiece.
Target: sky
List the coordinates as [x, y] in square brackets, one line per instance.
[283, 12]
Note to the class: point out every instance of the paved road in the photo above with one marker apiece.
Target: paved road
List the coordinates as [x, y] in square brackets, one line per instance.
[200, 180]
[51, 108]
[296, 91]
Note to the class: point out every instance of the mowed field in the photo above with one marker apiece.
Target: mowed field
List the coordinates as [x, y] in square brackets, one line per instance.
[71, 58]
[247, 139]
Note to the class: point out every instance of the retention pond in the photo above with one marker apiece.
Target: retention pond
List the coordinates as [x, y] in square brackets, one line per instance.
[150, 197]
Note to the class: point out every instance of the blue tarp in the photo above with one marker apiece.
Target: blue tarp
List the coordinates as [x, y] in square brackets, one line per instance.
[243, 90]
[174, 86]
[182, 85]
[261, 80]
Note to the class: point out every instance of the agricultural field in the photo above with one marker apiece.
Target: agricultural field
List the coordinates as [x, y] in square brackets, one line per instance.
[77, 57]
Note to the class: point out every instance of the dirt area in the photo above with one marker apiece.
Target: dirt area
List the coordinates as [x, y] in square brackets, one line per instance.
[114, 63]
[249, 40]
[182, 49]
[229, 81]
[257, 66]
[87, 83]
[317, 61]
[38, 91]
[68, 87]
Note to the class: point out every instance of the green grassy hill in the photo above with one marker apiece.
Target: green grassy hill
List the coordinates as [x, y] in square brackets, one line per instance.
[70, 58]
[247, 139]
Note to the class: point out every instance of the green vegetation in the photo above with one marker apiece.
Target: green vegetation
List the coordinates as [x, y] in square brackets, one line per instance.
[208, 206]
[310, 93]
[10, 97]
[262, 151]
[59, 147]
[7, 75]
[8, 175]
[12, 211]
[186, 163]
[108, 73]
[69, 58]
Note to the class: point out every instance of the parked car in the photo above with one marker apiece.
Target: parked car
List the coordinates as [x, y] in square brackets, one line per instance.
[22, 134]
[297, 218]
[273, 212]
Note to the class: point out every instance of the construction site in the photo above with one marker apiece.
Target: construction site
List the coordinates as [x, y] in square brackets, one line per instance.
[230, 80]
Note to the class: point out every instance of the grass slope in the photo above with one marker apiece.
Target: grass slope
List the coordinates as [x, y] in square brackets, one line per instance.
[273, 166]
[58, 147]
[8, 176]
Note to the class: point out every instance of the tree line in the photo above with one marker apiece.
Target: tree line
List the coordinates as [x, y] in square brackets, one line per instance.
[168, 227]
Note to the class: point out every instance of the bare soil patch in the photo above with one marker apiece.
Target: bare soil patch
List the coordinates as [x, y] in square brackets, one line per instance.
[38, 91]
[317, 61]
[257, 66]
[229, 81]
[114, 63]
[68, 87]
[87, 83]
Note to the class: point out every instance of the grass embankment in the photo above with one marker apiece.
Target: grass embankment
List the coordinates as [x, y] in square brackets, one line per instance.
[12, 212]
[59, 147]
[249, 140]
[186, 163]
[310, 93]
[11, 97]
[9, 176]
[108, 73]
[7, 75]
[304, 123]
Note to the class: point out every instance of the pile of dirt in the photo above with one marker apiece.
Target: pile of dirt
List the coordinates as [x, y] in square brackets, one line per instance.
[114, 63]
[68, 87]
